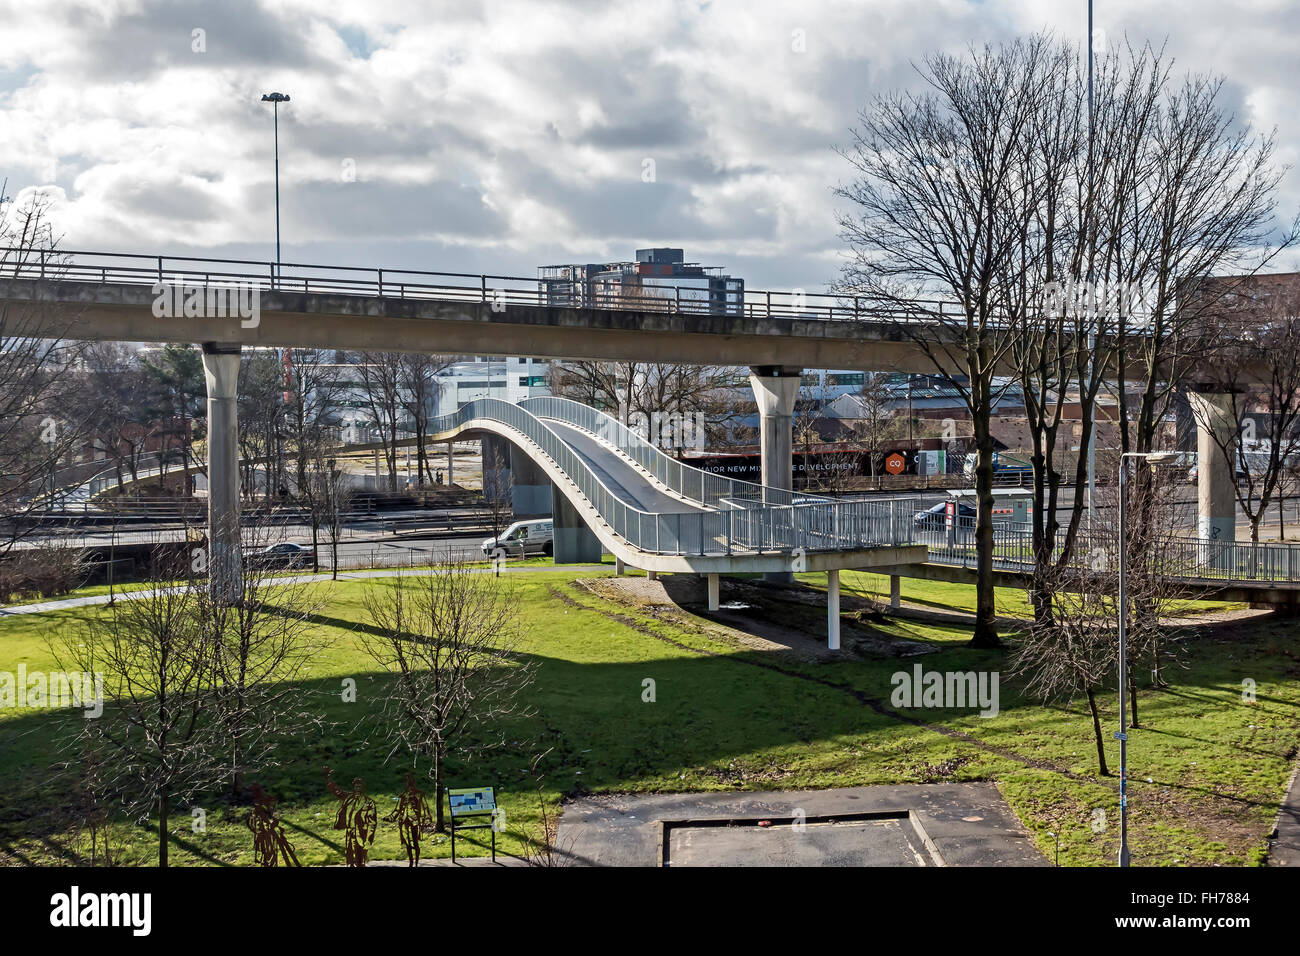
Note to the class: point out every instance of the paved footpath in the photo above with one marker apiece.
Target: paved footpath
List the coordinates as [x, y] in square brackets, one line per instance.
[1284, 848]
[97, 599]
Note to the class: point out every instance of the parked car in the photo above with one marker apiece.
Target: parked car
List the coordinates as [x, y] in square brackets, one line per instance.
[283, 555]
[936, 516]
[523, 538]
[1194, 471]
[1004, 467]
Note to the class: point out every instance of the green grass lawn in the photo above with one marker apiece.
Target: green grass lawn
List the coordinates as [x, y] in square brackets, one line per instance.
[1207, 769]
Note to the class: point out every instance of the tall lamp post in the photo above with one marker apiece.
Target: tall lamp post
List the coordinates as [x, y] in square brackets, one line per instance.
[1153, 458]
[1091, 300]
[275, 99]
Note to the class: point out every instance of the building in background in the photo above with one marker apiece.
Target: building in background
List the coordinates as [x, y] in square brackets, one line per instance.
[659, 280]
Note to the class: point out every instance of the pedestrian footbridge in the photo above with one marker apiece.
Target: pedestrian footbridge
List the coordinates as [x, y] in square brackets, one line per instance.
[611, 490]
[614, 491]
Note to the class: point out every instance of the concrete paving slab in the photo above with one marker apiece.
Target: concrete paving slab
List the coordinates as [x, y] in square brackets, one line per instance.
[965, 825]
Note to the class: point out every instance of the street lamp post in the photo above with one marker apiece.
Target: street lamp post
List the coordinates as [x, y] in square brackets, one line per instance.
[275, 99]
[1154, 458]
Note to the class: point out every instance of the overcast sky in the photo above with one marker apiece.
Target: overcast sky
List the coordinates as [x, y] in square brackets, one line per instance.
[462, 136]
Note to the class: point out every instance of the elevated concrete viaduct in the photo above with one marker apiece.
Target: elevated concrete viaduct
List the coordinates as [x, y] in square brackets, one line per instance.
[104, 296]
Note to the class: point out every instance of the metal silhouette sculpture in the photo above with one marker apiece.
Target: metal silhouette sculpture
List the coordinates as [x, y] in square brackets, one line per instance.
[357, 817]
[269, 840]
[413, 817]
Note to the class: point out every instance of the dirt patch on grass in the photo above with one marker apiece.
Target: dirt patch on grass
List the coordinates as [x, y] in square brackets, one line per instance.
[763, 618]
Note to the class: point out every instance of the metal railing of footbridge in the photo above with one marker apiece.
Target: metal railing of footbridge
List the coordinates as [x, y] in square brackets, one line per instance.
[1191, 560]
[815, 525]
[499, 290]
[694, 484]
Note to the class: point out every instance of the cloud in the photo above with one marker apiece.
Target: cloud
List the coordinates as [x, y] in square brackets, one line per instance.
[500, 135]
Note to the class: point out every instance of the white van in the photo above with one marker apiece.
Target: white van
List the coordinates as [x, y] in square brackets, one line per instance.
[524, 538]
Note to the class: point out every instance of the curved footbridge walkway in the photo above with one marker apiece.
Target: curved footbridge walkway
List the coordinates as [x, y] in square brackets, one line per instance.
[611, 490]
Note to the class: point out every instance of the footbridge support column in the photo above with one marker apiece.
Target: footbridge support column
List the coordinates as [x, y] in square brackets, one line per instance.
[574, 542]
[775, 389]
[1216, 480]
[715, 592]
[833, 610]
[225, 560]
[530, 489]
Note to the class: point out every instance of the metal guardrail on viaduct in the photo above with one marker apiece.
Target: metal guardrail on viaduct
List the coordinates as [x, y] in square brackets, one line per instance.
[96, 295]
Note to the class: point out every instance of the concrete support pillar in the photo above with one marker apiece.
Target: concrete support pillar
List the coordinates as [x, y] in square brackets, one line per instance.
[833, 610]
[895, 591]
[225, 559]
[652, 575]
[451, 465]
[575, 543]
[530, 489]
[775, 389]
[715, 591]
[1216, 480]
[619, 567]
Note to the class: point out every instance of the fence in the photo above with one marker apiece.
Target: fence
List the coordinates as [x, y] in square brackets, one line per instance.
[297, 277]
[1190, 559]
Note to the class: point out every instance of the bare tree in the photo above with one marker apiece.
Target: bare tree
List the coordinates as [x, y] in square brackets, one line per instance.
[419, 395]
[942, 202]
[877, 421]
[451, 640]
[1073, 650]
[335, 493]
[158, 739]
[381, 382]
[40, 422]
[262, 646]
[115, 391]
[313, 387]
[1258, 366]
[498, 488]
[261, 420]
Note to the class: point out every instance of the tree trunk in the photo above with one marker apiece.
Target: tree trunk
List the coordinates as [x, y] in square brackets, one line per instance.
[437, 793]
[162, 828]
[1096, 732]
[986, 632]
